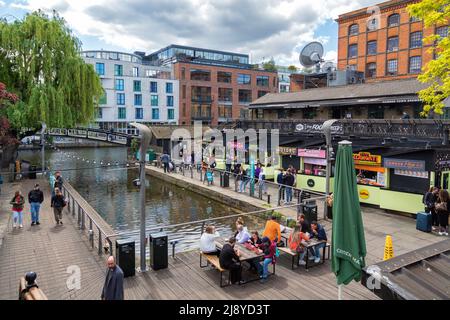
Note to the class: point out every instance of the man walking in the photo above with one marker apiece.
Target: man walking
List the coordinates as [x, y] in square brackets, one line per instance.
[58, 203]
[35, 198]
[165, 159]
[289, 182]
[113, 287]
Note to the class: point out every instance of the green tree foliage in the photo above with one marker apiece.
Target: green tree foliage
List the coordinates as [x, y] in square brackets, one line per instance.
[270, 65]
[292, 68]
[436, 72]
[40, 62]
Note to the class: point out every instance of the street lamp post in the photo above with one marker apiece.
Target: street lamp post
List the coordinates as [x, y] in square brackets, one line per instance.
[44, 127]
[145, 135]
[326, 127]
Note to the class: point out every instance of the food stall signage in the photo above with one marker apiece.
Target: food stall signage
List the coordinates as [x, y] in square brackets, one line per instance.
[287, 151]
[412, 165]
[311, 153]
[367, 158]
[317, 128]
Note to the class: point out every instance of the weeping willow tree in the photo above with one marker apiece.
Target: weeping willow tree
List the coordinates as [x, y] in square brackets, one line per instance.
[40, 62]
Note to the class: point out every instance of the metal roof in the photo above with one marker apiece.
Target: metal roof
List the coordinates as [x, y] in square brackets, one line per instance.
[422, 274]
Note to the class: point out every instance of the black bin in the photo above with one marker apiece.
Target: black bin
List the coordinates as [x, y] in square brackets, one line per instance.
[225, 180]
[32, 172]
[125, 256]
[159, 256]
[310, 212]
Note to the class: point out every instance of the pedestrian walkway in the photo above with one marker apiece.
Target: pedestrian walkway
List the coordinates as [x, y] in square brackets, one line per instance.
[53, 252]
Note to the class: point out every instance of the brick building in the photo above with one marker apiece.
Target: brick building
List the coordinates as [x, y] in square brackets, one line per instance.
[386, 48]
[215, 86]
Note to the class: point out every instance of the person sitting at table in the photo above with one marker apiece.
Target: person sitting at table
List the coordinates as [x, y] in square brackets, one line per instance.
[242, 235]
[255, 239]
[318, 232]
[239, 221]
[306, 228]
[295, 243]
[269, 248]
[207, 241]
[272, 229]
[229, 260]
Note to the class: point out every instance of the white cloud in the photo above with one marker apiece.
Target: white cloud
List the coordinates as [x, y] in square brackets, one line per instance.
[2, 4]
[264, 28]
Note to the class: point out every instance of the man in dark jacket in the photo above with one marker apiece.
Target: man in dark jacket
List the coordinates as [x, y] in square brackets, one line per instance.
[165, 160]
[280, 181]
[113, 287]
[229, 260]
[289, 182]
[35, 198]
[58, 180]
[318, 232]
[58, 203]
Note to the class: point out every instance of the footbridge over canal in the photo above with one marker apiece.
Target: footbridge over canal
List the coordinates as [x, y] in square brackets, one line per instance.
[117, 138]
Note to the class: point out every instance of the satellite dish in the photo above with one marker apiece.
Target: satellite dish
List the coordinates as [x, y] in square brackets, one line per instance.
[311, 54]
[328, 67]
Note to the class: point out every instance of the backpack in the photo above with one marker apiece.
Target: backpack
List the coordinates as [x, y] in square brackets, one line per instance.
[209, 176]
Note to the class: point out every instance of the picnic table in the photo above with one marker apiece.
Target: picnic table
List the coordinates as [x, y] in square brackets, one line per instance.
[247, 253]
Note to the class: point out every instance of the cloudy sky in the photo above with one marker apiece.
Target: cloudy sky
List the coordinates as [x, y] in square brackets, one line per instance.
[261, 28]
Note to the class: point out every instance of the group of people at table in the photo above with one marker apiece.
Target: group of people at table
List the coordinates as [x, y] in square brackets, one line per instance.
[265, 246]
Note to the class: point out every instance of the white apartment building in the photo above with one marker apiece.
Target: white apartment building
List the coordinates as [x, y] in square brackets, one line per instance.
[284, 81]
[134, 91]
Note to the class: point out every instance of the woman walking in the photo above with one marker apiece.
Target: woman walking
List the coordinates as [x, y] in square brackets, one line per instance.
[17, 203]
[58, 203]
[442, 208]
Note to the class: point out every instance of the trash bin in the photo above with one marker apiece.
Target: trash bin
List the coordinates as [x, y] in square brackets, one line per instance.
[159, 251]
[32, 172]
[125, 256]
[310, 212]
[330, 212]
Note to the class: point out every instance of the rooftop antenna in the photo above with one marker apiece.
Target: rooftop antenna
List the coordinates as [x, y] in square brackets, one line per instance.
[312, 55]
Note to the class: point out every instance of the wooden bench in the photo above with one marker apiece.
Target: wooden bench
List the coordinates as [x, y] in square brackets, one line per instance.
[295, 255]
[214, 261]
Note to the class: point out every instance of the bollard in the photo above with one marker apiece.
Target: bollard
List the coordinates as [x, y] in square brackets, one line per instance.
[268, 198]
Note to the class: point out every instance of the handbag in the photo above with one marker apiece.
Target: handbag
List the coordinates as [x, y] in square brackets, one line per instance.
[441, 206]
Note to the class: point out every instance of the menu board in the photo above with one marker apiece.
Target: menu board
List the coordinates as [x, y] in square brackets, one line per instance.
[411, 173]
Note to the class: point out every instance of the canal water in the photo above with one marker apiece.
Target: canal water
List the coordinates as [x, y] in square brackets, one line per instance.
[112, 194]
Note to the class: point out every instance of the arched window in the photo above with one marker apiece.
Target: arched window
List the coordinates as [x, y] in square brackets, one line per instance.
[393, 20]
[353, 30]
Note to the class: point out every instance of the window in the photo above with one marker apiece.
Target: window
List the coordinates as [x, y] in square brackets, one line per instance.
[135, 72]
[139, 113]
[262, 81]
[170, 114]
[100, 68]
[371, 47]
[393, 20]
[121, 99]
[155, 114]
[415, 39]
[119, 84]
[262, 93]
[244, 79]
[371, 70]
[122, 113]
[118, 70]
[169, 87]
[99, 113]
[353, 30]
[245, 96]
[392, 66]
[414, 19]
[170, 101]
[376, 112]
[137, 85]
[392, 44]
[154, 100]
[184, 109]
[103, 98]
[353, 51]
[352, 67]
[201, 111]
[415, 64]
[224, 77]
[442, 31]
[284, 88]
[183, 73]
[225, 94]
[153, 87]
[200, 75]
[183, 92]
[260, 114]
[225, 111]
[138, 99]
[201, 94]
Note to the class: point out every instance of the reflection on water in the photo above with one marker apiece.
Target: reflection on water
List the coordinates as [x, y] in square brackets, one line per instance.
[112, 193]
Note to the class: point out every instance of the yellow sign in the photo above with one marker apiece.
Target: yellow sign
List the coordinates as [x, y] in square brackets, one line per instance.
[364, 194]
[367, 158]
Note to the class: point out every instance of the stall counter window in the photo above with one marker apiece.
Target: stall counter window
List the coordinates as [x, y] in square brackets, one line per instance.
[316, 167]
[368, 175]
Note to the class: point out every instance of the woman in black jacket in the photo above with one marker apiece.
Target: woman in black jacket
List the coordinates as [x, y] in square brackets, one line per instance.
[442, 209]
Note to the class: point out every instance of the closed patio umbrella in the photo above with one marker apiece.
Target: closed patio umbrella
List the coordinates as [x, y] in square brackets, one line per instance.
[348, 242]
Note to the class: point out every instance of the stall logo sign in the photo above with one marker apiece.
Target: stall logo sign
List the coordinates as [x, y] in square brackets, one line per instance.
[367, 158]
[317, 128]
[412, 165]
[287, 151]
[312, 153]
[310, 183]
[364, 194]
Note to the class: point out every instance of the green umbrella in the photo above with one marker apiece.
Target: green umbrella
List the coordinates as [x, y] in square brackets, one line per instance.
[348, 243]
